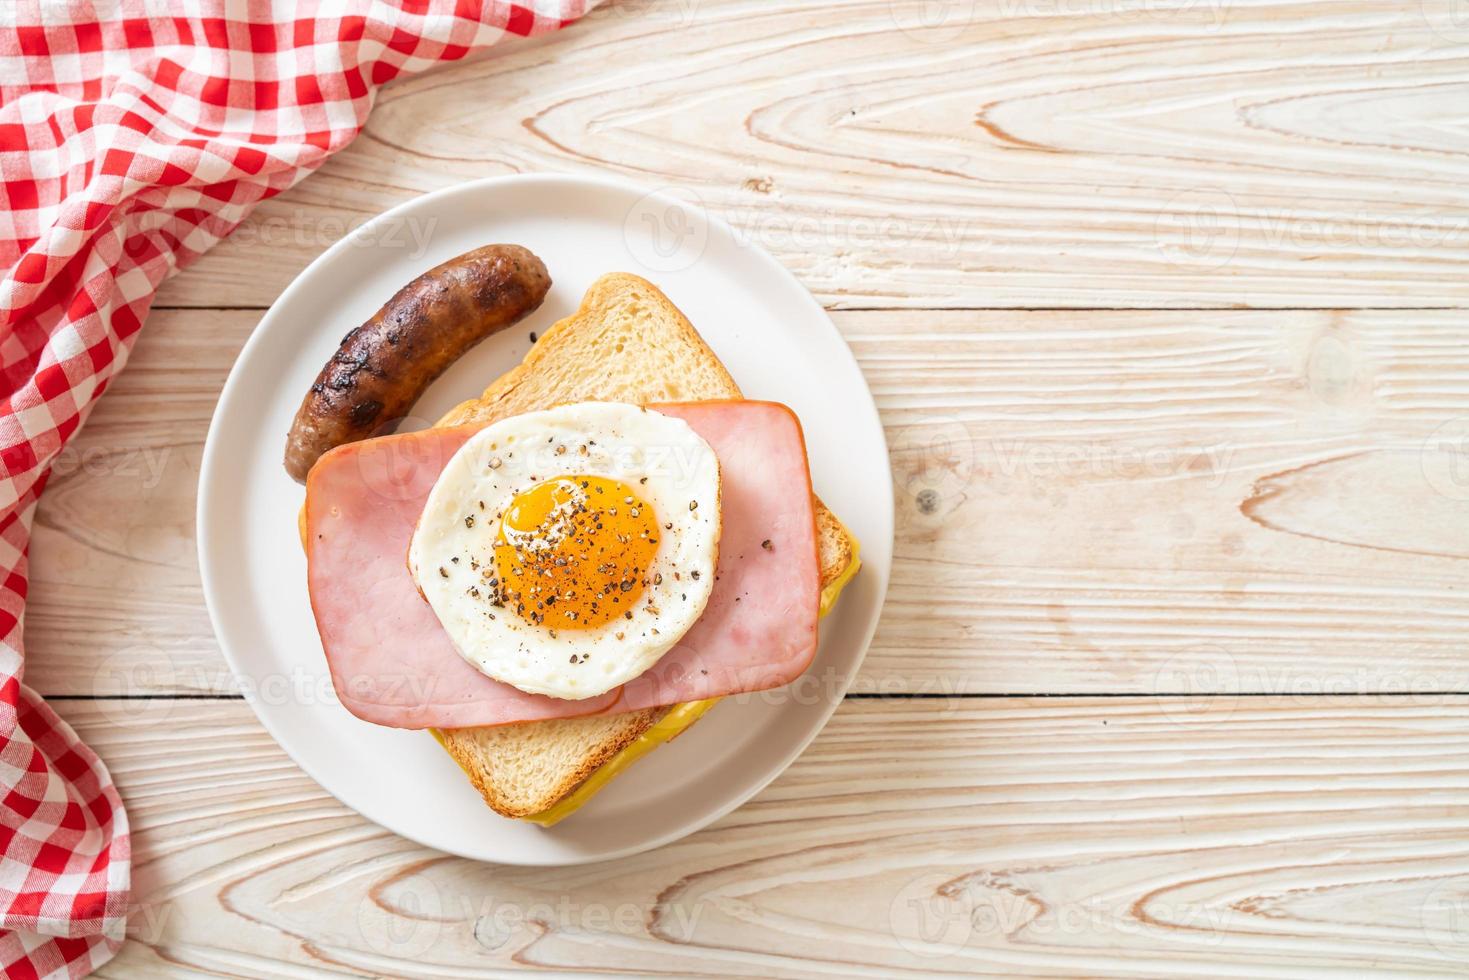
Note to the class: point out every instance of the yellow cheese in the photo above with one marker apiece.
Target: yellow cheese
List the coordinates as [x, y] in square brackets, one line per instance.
[830, 593]
[669, 727]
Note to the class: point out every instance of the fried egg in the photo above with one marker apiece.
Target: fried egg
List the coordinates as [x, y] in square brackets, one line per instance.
[565, 551]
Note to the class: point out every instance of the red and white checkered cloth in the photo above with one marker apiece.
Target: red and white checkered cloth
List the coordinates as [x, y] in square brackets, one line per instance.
[132, 139]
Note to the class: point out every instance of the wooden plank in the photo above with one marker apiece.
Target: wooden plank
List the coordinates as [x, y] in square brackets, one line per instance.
[1175, 502]
[998, 153]
[115, 602]
[1087, 502]
[1268, 837]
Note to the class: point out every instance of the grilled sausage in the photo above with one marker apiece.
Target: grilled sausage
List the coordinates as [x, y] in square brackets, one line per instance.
[381, 367]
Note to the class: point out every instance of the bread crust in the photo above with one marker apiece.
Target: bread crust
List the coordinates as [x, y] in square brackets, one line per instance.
[508, 395]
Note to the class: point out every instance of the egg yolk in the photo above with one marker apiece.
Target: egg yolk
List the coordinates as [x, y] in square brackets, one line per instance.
[574, 552]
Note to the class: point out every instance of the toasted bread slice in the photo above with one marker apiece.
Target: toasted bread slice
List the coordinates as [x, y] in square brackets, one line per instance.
[627, 342]
[523, 769]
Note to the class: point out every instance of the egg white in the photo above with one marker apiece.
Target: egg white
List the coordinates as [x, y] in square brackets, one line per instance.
[667, 464]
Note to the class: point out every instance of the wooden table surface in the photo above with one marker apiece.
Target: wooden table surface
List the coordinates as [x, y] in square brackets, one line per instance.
[1163, 304]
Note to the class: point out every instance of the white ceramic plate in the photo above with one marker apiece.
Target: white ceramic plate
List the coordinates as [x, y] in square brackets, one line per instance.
[774, 338]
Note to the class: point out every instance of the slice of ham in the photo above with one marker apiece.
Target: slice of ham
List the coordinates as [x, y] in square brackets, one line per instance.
[392, 663]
